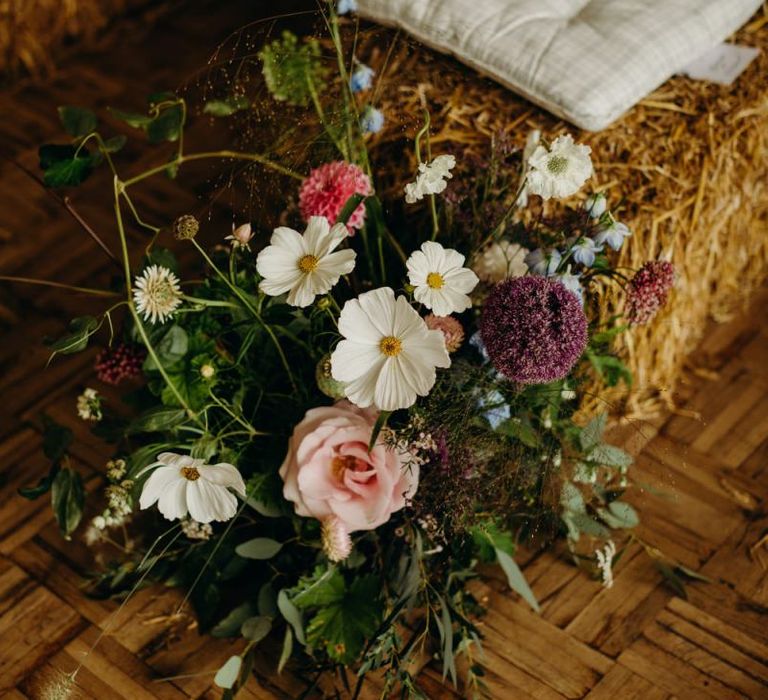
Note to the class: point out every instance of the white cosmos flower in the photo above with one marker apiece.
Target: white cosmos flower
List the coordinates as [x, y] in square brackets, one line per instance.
[156, 293]
[498, 261]
[181, 484]
[388, 356]
[431, 178]
[441, 280]
[304, 265]
[560, 170]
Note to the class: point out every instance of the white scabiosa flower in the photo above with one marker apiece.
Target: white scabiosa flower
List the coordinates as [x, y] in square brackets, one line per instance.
[432, 178]
[304, 265]
[442, 282]
[181, 484]
[389, 355]
[560, 170]
[156, 293]
[499, 261]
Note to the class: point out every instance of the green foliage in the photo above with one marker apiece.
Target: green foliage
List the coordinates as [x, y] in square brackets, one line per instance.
[227, 675]
[56, 441]
[66, 165]
[258, 548]
[67, 499]
[157, 419]
[165, 119]
[76, 340]
[292, 70]
[516, 579]
[227, 106]
[77, 121]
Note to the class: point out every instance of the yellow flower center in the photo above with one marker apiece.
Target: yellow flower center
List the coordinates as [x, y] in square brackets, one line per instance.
[341, 463]
[435, 280]
[190, 473]
[308, 264]
[391, 346]
[557, 164]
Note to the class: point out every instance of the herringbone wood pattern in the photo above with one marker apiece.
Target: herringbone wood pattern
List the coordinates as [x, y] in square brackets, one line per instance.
[701, 479]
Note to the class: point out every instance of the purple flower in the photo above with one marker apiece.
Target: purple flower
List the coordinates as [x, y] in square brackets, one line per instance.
[648, 290]
[534, 329]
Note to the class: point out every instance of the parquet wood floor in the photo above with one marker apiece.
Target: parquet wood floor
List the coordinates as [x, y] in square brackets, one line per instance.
[701, 475]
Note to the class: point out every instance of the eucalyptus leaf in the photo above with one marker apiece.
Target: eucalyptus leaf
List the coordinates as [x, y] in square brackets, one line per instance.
[291, 614]
[571, 499]
[285, 654]
[516, 579]
[591, 435]
[227, 675]
[231, 624]
[256, 628]
[624, 514]
[258, 548]
[610, 456]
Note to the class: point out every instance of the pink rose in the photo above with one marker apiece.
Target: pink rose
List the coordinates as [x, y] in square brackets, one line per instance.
[328, 471]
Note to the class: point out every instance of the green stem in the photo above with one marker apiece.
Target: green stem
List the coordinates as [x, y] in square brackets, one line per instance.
[209, 302]
[247, 304]
[235, 155]
[59, 285]
[251, 430]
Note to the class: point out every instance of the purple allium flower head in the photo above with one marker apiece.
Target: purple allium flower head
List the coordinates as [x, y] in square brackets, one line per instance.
[534, 329]
[648, 290]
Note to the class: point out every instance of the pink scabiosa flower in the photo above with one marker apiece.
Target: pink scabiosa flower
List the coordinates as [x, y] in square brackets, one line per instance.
[453, 332]
[648, 290]
[121, 361]
[534, 329]
[327, 189]
[337, 544]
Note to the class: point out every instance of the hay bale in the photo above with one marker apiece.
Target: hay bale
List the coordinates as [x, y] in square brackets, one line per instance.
[689, 165]
[32, 32]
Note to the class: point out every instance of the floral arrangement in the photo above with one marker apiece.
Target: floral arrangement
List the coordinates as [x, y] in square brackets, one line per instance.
[328, 432]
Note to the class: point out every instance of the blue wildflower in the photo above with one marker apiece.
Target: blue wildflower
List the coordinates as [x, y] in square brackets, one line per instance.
[543, 262]
[584, 250]
[371, 120]
[345, 6]
[613, 235]
[494, 408]
[477, 343]
[361, 78]
[596, 205]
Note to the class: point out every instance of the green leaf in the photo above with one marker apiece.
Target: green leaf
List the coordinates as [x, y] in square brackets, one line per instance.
[285, 654]
[231, 624]
[446, 635]
[581, 522]
[76, 340]
[488, 537]
[610, 368]
[226, 107]
[610, 456]
[167, 125]
[520, 430]
[115, 144]
[673, 580]
[256, 628]
[349, 208]
[381, 421]
[343, 627]
[65, 166]
[227, 675]
[572, 499]
[67, 499]
[42, 487]
[77, 121]
[516, 579]
[291, 614]
[170, 349]
[56, 439]
[157, 419]
[592, 434]
[258, 548]
[138, 121]
[325, 589]
[266, 602]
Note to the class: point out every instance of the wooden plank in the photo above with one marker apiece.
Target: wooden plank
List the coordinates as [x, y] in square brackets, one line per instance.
[621, 683]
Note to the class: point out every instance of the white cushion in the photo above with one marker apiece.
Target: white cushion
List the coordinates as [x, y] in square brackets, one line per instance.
[587, 61]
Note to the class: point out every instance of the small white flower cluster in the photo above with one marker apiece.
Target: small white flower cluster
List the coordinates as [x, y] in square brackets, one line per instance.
[605, 563]
[89, 405]
[194, 530]
[119, 502]
[431, 178]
